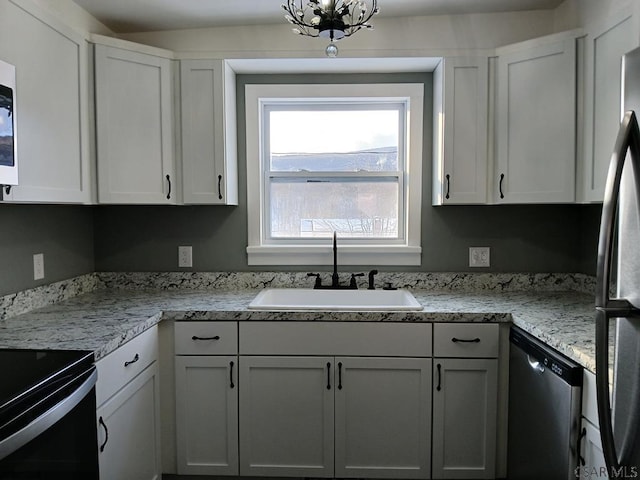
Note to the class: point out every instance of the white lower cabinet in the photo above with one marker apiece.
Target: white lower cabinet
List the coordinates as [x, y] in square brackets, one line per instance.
[206, 415]
[465, 400]
[464, 418]
[591, 456]
[127, 398]
[286, 416]
[128, 433]
[335, 417]
[206, 366]
[382, 417]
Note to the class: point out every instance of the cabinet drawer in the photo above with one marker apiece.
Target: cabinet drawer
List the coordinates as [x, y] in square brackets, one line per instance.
[392, 339]
[124, 364]
[206, 338]
[465, 340]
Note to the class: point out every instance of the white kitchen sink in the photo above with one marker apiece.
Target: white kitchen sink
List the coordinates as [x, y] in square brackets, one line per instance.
[334, 300]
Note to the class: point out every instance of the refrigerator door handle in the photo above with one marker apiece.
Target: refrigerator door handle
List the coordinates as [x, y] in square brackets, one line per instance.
[628, 139]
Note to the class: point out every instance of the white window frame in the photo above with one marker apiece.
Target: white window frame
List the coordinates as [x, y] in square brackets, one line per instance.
[403, 251]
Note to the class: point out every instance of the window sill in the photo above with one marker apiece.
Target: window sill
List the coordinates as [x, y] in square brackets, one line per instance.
[394, 255]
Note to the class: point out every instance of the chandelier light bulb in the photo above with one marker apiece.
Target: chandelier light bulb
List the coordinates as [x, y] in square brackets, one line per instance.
[331, 50]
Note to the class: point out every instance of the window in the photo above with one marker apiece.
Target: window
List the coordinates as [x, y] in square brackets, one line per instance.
[325, 158]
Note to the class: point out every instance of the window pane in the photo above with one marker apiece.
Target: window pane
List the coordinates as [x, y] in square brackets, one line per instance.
[362, 209]
[334, 140]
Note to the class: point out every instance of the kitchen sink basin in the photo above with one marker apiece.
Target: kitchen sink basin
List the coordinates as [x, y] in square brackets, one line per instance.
[334, 300]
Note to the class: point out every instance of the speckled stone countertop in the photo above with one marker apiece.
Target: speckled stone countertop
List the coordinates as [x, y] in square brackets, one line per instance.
[110, 314]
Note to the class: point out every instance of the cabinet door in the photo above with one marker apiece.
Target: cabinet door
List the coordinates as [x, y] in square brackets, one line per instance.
[605, 45]
[209, 171]
[383, 417]
[591, 456]
[52, 98]
[286, 416]
[134, 127]
[536, 123]
[461, 95]
[207, 415]
[128, 430]
[464, 418]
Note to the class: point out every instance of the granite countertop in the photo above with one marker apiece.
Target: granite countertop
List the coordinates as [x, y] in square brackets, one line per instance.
[104, 319]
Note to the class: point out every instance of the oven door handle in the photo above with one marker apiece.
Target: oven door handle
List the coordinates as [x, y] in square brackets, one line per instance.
[16, 440]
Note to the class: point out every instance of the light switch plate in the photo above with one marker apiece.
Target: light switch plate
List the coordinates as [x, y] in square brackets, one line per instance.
[38, 266]
[479, 256]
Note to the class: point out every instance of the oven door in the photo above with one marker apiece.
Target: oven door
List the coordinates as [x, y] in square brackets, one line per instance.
[52, 435]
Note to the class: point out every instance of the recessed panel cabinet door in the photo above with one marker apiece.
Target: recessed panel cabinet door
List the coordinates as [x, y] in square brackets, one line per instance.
[536, 128]
[383, 417]
[605, 44]
[286, 416]
[207, 415]
[134, 127]
[464, 417]
[52, 100]
[128, 430]
[209, 161]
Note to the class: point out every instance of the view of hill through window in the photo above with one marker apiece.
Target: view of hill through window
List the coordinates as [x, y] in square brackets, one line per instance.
[335, 170]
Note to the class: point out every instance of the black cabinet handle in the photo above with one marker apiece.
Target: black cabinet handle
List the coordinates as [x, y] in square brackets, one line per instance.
[500, 185]
[219, 187]
[464, 340]
[439, 387]
[328, 375]
[583, 434]
[231, 384]
[106, 433]
[7, 189]
[195, 337]
[169, 182]
[339, 375]
[448, 185]
[134, 360]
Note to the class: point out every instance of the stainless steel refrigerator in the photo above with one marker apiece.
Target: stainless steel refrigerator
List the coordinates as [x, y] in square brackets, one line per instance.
[620, 242]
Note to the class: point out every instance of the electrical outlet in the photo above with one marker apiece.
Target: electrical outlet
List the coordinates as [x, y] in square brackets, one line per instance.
[185, 256]
[479, 256]
[38, 266]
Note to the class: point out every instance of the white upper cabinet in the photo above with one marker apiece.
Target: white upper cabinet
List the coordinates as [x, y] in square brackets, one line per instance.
[460, 122]
[134, 127]
[605, 44]
[536, 121]
[209, 160]
[52, 71]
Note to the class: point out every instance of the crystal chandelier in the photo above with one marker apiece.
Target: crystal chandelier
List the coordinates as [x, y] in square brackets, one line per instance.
[332, 19]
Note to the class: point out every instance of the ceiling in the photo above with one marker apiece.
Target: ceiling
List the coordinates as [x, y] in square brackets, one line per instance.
[125, 16]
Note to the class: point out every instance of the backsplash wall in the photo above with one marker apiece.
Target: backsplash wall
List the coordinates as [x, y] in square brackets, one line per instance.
[64, 234]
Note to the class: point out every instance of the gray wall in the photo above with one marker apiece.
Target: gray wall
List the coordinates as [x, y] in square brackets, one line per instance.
[532, 238]
[64, 234]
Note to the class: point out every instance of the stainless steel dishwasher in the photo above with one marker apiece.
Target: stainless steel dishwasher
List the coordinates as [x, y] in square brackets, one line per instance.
[545, 391]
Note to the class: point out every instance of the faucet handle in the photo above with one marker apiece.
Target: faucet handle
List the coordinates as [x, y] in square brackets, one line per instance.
[318, 282]
[352, 283]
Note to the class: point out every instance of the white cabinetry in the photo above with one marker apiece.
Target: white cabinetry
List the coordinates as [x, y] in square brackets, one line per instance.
[52, 74]
[465, 400]
[206, 398]
[605, 44]
[460, 119]
[128, 410]
[300, 414]
[134, 126]
[209, 159]
[536, 118]
[591, 456]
